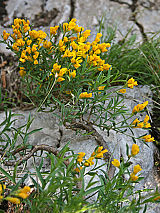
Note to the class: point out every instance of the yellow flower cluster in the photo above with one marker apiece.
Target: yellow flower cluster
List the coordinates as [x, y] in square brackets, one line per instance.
[53, 30]
[116, 163]
[137, 168]
[137, 124]
[148, 138]
[61, 72]
[139, 107]
[85, 95]
[101, 88]
[131, 83]
[135, 149]
[22, 193]
[89, 162]
[73, 47]
[97, 154]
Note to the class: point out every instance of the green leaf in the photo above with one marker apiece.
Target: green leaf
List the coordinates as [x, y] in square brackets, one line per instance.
[40, 178]
[97, 188]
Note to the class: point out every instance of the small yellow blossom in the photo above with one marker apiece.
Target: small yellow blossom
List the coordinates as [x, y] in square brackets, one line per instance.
[2, 187]
[35, 62]
[29, 42]
[137, 168]
[22, 72]
[135, 149]
[77, 169]
[140, 125]
[89, 162]
[13, 200]
[22, 195]
[133, 177]
[116, 163]
[85, 95]
[148, 138]
[101, 88]
[135, 122]
[5, 35]
[53, 30]
[147, 125]
[72, 74]
[60, 79]
[122, 90]
[146, 119]
[81, 154]
[139, 107]
[25, 189]
[131, 82]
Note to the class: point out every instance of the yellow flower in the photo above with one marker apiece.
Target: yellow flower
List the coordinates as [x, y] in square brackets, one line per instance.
[22, 195]
[89, 162]
[35, 62]
[1, 197]
[29, 42]
[85, 95]
[71, 25]
[60, 79]
[122, 90]
[116, 163]
[72, 74]
[22, 60]
[78, 169]
[137, 168]
[146, 119]
[13, 200]
[140, 125]
[107, 67]
[133, 177]
[65, 27]
[53, 30]
[86, 33]
[2, 187]
[139, 107]
[22, 72]
[20, 42]
[5, 35]
[93, 154]
[25, 189]
[99, 149]
[135, 149]
[15, 47]
[34, 48]
[62, 72]
[131, 82]
[65, 39]
[135, 122]
[81, 154]
[101, 88]
[147, 125]
[148, 138]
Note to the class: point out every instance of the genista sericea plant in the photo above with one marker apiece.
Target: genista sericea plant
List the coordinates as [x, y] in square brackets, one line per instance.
[69, 75]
